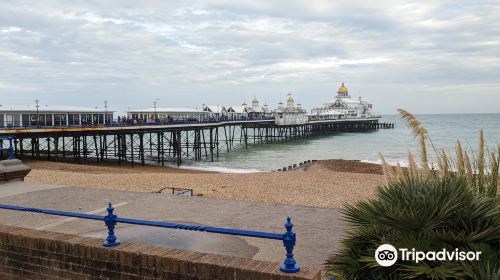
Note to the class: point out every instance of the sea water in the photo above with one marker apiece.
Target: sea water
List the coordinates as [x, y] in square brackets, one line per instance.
[394, 144]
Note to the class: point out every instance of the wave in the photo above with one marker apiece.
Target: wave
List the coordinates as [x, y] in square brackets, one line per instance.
[403, 162]
[220, 169]
[201, 167]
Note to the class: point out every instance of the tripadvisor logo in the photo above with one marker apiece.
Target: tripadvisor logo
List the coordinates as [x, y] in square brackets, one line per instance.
[387, 255]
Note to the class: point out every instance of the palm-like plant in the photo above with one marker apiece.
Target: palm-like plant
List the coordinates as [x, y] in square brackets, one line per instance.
[452, 207]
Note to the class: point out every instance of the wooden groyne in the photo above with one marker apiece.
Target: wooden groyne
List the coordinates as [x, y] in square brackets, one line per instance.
[296, 166]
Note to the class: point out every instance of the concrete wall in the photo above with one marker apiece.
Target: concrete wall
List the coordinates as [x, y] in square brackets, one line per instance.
[32, 254]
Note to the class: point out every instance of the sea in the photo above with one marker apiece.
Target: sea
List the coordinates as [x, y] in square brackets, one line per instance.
[444, 130]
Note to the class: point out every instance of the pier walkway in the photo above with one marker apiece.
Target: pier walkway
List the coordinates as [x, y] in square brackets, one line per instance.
[160, 126]
[318, 229]
[161, 143]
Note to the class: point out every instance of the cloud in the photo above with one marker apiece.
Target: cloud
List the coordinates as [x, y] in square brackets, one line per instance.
[186, 52]
[10, 29]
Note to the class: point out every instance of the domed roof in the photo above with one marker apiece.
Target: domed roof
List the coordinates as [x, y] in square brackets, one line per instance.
[255, 100]
[290, 99]
[342, 89]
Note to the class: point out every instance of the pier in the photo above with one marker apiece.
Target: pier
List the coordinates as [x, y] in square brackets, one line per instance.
[166, 143]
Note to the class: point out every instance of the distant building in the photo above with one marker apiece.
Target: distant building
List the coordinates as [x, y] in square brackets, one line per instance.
[218, 112]
[266, 111]
[342, 107]
[254, 111]
[257, 112]
[167, 114]
[29, 115]
[290, 114]
[237, 112]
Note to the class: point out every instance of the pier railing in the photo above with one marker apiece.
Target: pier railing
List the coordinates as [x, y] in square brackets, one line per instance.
[10, 148]
[288, 238]
[125, 122]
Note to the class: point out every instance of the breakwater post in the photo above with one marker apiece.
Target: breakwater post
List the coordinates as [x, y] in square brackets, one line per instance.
[295, 166]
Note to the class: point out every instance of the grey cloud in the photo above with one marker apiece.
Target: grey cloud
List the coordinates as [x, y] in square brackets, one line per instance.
[193, 52]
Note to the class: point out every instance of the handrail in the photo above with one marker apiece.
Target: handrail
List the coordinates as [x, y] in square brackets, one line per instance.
[289, 239]
[10, 148]
[130, 122]
[144, 123]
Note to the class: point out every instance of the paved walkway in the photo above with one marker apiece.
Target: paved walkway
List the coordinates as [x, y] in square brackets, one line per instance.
[318, 229]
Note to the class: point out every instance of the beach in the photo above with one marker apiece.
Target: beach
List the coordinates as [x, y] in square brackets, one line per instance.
[325, 183]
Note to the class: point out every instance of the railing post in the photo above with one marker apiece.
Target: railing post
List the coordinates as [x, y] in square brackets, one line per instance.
[289, 265]
[11, 148]
[110, 221]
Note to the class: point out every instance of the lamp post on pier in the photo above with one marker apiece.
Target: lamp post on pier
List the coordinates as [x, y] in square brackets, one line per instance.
[37, 104]
[154, 105]
[105, 112]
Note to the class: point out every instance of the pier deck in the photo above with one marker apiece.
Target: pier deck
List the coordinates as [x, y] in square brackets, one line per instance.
[161, 143]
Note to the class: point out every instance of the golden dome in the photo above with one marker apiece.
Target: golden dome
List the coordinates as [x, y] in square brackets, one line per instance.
[290, 99]
[255, 100]
[342, 89]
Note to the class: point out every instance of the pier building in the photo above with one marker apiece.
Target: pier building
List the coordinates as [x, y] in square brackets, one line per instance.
[46, 116]
[167, 114]
[256, 111]
[217, 112]
[343, 107]
[173, 135]
[291, 114]
[237, 112]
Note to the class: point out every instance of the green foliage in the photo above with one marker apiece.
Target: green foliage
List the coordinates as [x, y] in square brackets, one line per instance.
[452, 205]
[427, 215]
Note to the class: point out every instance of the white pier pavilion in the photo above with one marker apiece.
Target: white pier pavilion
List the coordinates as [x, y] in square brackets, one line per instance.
[343, 107]
[291, 114]
[43, 115]
[167, 114]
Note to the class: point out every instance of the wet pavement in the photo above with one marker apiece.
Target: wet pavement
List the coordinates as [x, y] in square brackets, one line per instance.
[318, 229]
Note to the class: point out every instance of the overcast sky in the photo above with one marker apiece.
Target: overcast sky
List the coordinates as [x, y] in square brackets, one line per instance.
[425, 56]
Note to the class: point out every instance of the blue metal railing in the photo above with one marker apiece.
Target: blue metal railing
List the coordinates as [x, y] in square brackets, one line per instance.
[10, 148]
[289, 239]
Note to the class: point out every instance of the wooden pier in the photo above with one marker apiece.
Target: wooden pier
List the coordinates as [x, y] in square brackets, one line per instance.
[161, 144]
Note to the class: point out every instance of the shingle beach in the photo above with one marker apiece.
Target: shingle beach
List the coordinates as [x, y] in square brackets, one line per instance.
[331, 183]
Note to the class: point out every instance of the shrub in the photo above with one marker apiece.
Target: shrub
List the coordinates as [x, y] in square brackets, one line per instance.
[454, 206]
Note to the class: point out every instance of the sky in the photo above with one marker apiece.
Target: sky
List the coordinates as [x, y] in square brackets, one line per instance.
[426, 56]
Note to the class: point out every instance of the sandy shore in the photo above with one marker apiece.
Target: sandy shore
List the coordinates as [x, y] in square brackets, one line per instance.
[323, 184]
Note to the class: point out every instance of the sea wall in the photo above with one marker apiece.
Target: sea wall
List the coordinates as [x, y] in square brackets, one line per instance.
[33, 254]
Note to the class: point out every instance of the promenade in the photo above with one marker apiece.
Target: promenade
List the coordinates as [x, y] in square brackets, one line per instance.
[318, 229]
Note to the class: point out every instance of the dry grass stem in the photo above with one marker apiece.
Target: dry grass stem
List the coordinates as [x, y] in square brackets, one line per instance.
[481, 172]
